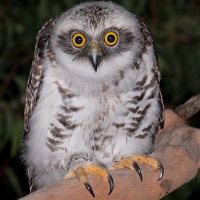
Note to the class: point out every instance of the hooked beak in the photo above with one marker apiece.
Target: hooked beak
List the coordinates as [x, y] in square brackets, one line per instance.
[95, 58]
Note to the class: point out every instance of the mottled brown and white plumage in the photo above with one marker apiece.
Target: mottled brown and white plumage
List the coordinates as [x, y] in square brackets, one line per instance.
[77, 114]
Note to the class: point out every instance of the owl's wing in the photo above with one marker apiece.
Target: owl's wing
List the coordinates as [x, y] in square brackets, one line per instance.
[148, 39]
[158, 75]
[34, 81]
[35, 76]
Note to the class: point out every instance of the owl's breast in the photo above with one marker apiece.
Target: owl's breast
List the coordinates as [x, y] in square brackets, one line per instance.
[104, 127]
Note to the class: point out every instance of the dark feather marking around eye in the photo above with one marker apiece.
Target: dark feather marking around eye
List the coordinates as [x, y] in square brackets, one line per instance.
[64, 42]
[125, 42]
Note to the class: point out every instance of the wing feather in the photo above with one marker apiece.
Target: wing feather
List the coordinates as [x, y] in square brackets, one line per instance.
[35, 76]
[148, 40]
[34, 83]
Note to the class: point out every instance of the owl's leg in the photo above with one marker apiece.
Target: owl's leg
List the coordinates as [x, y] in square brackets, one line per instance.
[131, 163]
[82, 172]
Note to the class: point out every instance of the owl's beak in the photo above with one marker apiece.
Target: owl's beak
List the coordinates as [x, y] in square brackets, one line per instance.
[95, 58]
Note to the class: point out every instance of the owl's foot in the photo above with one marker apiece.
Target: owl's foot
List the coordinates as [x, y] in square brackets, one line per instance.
[131, 163]
[82, 172]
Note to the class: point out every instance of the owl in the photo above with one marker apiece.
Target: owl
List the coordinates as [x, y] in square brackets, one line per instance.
[93, 100]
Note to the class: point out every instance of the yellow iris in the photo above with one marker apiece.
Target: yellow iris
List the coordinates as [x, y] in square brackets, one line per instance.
[78, 40]
[110, 38]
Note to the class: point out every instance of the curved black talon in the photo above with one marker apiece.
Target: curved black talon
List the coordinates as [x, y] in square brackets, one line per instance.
[161, 170]
[89, 188]
[111, 183]
[137, 169]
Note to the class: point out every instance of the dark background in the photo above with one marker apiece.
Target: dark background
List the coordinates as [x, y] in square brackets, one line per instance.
[175, 26]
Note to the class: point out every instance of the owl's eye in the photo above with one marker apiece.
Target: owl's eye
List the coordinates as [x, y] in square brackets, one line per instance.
[110, 38]
[78, 40]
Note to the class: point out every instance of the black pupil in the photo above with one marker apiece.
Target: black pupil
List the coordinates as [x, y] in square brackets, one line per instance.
[111, 38]
[78, 39]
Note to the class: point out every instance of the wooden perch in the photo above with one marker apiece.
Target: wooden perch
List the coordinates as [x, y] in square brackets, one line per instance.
[191, 107]
[177, 146]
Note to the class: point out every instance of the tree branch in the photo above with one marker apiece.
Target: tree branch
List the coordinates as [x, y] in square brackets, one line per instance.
[176, 146]
[189, 108]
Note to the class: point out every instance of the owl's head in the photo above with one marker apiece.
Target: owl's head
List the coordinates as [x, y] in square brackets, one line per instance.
[96, 39]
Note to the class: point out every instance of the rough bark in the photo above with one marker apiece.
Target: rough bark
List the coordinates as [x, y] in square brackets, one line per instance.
[189, 108]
